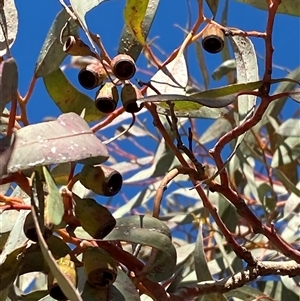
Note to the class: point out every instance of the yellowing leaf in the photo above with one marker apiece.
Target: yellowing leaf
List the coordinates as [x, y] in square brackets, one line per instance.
[134, 14]
[68, 98]
[128, 43]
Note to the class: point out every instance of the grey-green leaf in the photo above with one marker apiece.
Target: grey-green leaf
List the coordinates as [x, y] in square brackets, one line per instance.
[8, 82]
[52, 54]
[149, 231]
[67, 139]
[6, 147]
[287, 151]
[54, 206]
[213, 6]
[224, 69]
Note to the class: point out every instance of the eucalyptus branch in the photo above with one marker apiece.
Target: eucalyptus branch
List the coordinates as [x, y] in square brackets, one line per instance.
[252, 272]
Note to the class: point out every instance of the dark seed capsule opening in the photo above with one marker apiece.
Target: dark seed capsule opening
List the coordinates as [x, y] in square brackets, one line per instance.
[113, 184]
[30, 231]
[124, 69]
[68, 43]
[133, 107]
[105, 105]
[105, 230]
[213, 44]
[87, 79]
[101, 278]
[56, 293]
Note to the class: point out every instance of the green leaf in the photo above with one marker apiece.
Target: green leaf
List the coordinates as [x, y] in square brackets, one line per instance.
[67, 139]
[287, 151]
[10, 268]
[216, 130]
[224, 69]
[288, 7]
[54, 207]
[287, 183]
[8, 82]
[6, 148]
[134, 13]
[128, 43]
[295, 94]
[289, 128]
[65, 284]
[60, 173]
[201, 266]
[292, 202]
[275, 107]
[149, 231]
[190, 102]
[68, 98]
[8, 24]
[52, 54]
[202, 63]
[213, 98]
[247, 72]
[16, 238]
[124, 288]
[34, 260]
[213, 6]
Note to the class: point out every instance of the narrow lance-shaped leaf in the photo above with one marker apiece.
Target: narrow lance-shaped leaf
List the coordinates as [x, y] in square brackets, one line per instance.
[52, 54]
[68, 98]
[202, 63]
[287, 151]
[201, 266]
[54, 207]
[224, 69]
[134, 14]
[213, 6]
[8, 82]
[6, 147]
[295, 94]
[65, 284]
[8, 25]
[188, 105]
[247, 71]
[128, 42]
[67, 139]
[275, 107]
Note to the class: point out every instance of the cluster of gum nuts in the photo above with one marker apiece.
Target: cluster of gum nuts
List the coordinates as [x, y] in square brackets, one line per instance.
[98, 75]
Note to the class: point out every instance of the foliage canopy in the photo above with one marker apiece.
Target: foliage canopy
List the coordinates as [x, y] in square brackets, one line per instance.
[84, 217]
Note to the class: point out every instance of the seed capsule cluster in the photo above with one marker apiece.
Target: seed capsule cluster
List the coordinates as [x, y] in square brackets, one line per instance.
[99, 75]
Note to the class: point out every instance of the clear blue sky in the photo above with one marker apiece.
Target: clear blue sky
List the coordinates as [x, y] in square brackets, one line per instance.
[35, 18]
